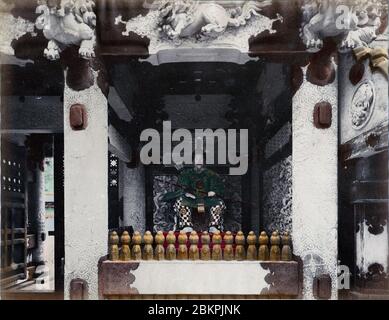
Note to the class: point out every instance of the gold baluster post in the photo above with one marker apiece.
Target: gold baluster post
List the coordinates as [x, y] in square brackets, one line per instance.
[182, 246]
[286, 252]
[205, 251]
[194, 246]
[216, 246]
[228, 253]
[125, 252]
[275, 252]
[251, 249]
[171, 246]
[148, 247]
[263, 251]
[240, 252]
[136, 249]
[159, 253]
[114, 246]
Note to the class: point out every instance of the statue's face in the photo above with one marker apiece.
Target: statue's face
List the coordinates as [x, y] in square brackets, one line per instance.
[198, 167]
[198, 162]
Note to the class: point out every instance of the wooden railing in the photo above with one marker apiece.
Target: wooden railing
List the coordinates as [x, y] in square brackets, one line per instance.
[200, 246]
[198, 265]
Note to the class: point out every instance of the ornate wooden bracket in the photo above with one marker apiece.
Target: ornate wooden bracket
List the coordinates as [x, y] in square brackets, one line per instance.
[322, 115]
[78, 117]
[78, 289]
[378, 58]
[321, 70]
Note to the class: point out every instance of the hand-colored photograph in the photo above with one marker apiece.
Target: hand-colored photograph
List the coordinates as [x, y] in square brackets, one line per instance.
[220, 150]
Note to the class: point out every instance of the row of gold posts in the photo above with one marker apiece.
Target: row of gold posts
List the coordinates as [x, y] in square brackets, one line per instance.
[236, 247]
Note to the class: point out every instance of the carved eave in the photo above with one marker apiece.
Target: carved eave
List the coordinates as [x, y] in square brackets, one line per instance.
[283, 42]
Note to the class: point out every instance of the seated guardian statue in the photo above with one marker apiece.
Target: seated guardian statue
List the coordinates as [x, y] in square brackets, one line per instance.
[200, 189]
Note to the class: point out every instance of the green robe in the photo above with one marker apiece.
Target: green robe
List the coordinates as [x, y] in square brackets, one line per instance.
[198, 183]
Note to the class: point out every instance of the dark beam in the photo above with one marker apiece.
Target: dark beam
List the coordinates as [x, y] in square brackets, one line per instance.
[39, 79]
[369, 143]
[278, 156]
[31, 114]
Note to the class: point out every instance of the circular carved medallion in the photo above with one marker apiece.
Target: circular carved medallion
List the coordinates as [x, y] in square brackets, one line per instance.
[362, 105]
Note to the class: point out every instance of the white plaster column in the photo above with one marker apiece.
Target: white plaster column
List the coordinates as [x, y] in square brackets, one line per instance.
[315, 194]
[134, 197]
[86, 188]
[36, 200]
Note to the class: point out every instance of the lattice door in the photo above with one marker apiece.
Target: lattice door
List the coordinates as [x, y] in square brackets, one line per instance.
[14, 240]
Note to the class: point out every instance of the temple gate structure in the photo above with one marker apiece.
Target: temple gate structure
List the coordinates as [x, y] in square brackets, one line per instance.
[81, 79]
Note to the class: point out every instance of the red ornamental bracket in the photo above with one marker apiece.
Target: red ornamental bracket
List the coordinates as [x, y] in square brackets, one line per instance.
[322, 115]
[78, 289]
[322, 286]
[78, 117]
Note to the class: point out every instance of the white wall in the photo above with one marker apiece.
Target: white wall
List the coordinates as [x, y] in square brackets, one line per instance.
[86, 183]
[315, 194]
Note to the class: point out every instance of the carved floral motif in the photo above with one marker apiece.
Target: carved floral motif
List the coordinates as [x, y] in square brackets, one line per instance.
[362, 105]
[65, 23]
[354, 23]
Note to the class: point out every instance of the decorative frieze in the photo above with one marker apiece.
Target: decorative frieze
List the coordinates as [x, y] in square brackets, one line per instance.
[187, 18]
[189, 23]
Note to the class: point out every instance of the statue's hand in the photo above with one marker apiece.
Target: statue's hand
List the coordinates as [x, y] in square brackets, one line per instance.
[189, 195]
[211, 193]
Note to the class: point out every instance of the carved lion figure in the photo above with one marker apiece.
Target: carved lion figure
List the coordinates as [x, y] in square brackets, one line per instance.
[185, 18]
[65, 23]
[353, 22]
